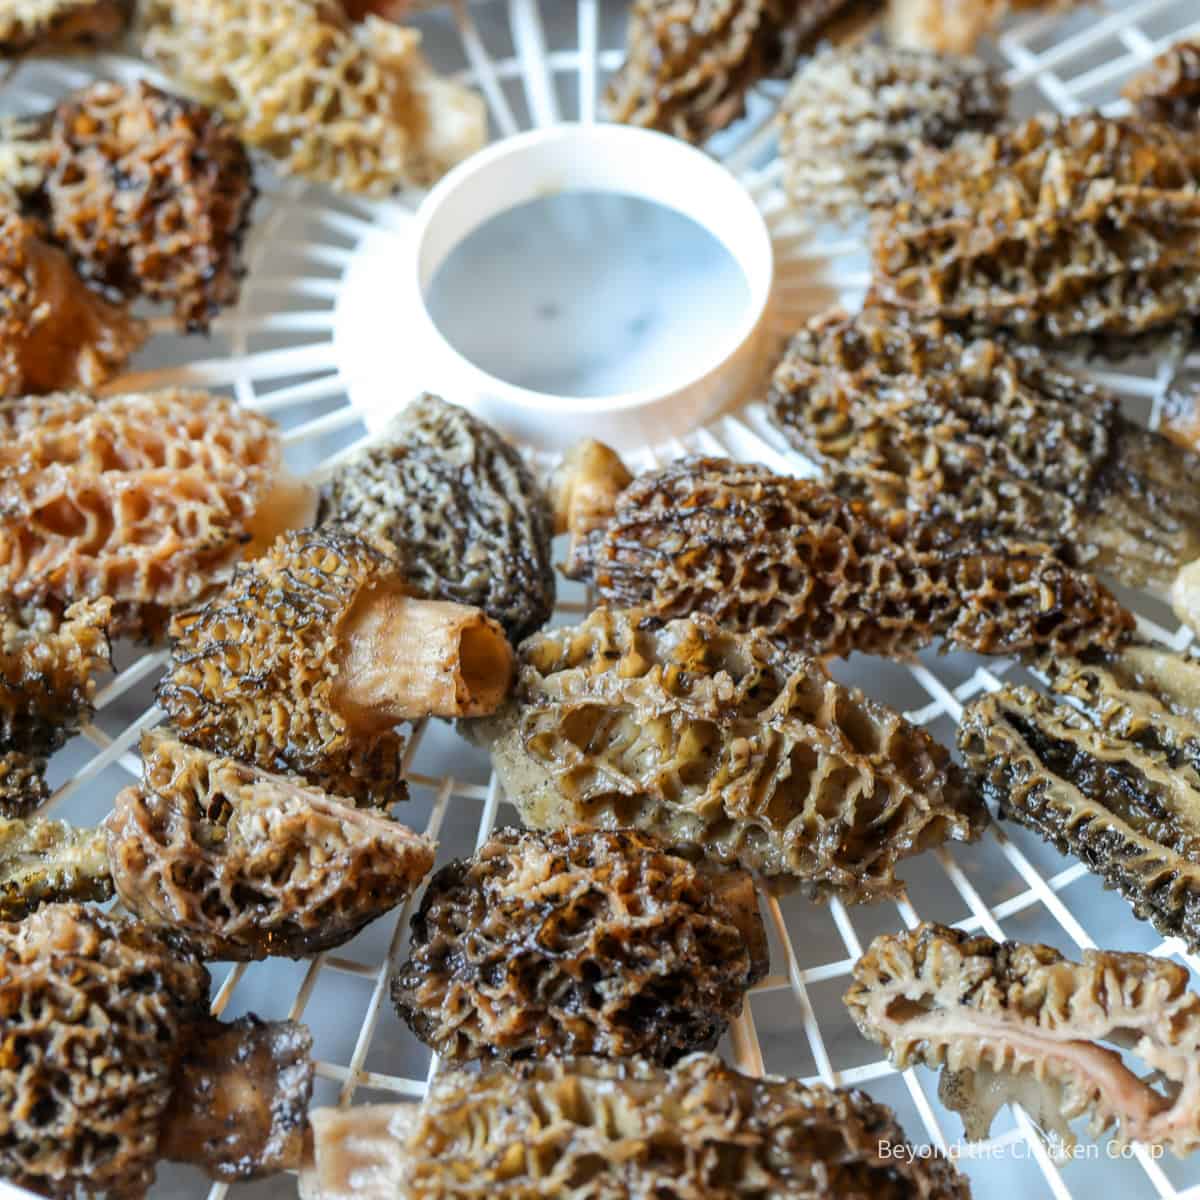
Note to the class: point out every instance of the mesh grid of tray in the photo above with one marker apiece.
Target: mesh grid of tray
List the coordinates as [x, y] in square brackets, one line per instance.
[536, 64]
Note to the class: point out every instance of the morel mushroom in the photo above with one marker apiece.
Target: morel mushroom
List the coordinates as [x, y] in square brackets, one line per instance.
[467, 518]
[55, 332]
[965, 436]
[48, 666]
[43, 862]
[727, 741]
[855, 115]
[354, 105]
[586, 1127]
[953, 26]
[1014, 1023]
[1058, 229]
[1113, 776]
[691, 63]
[78, 989]
[759, 551]
[1168, 90]
[313, 654]
[59, 24]
[580, 943]
[146, 498]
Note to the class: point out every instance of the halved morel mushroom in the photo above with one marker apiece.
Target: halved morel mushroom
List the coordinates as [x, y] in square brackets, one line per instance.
[466, 516]
[787, 557]
[702, 735]
[315, 652]
[1168, 90]
[48, 668]
[145, 498]
[55, 332]
[580, 942]
[583, 1127]
[59, 24]
[79, 989]
[1058, 229]
[1113, 776]
[45, 862]
[966, 437]
[354, 105]
[1009, 1022]
[691, 63]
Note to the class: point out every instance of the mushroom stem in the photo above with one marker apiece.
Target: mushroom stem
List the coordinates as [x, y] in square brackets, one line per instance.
[404, 658]
[290, 503]
[584, 488]
[1185, 595]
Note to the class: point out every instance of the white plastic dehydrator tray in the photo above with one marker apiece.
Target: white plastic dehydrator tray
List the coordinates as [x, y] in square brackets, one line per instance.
[293, 347]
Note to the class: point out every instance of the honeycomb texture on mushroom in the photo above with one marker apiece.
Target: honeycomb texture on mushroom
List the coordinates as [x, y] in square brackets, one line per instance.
[146, 498]
[45, 861]
[1057, 228]
[1168, 89]
[1017, 1022]
[254, 671]
[353, 105]
[755, 550]
[239, 864]
[59, 24]
[48, 668]
[583, 1128]
[467, 518]
[150, 194]
[580, 942]
[968, 436]
[54, 331]
[727, 741]
[23, 150]
[854, 116]
[79, 989]
[690, 63]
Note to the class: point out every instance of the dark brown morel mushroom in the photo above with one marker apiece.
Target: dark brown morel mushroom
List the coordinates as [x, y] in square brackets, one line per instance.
[146, 498]
[855, 115]
[1014, 1023]
[967, 437]
[1168, 90]
[80, 990]
[1056, 229]
[59, 24]
[728, 741]
[55, 332]
[1113, 776]
[690, 63]
[150, 195]
[48, 666]
[468, 520]
[240, 864]
[588, 1127]
[785, 556]
[580, 942]
[315, 652]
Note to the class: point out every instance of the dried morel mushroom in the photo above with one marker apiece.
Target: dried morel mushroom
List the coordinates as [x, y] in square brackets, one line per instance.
[1014, 1023]
[466, 516]
[1113, 777]
[1168, 89]
[44, 861]
[59, 24]
[313, 654]
[966, 436]
[146, 498]
[55, 332]
[1057, 229]
[79, 988]
[728, 741]
[48, 666]
[352, 105]
[586, 1127]
[953, 26]
[759, 551]
[691, 63]
[580, 942]
[240, 864]
[854, 116]
[150, 194]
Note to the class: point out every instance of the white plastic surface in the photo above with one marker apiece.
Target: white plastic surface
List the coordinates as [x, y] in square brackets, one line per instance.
[538, 63]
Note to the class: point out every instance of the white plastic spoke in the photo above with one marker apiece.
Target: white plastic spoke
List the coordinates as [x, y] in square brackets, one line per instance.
[589, 19]
[484, 71]
[530, 40]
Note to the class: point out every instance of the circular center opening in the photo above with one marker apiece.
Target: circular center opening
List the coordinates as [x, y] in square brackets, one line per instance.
[588, 293]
